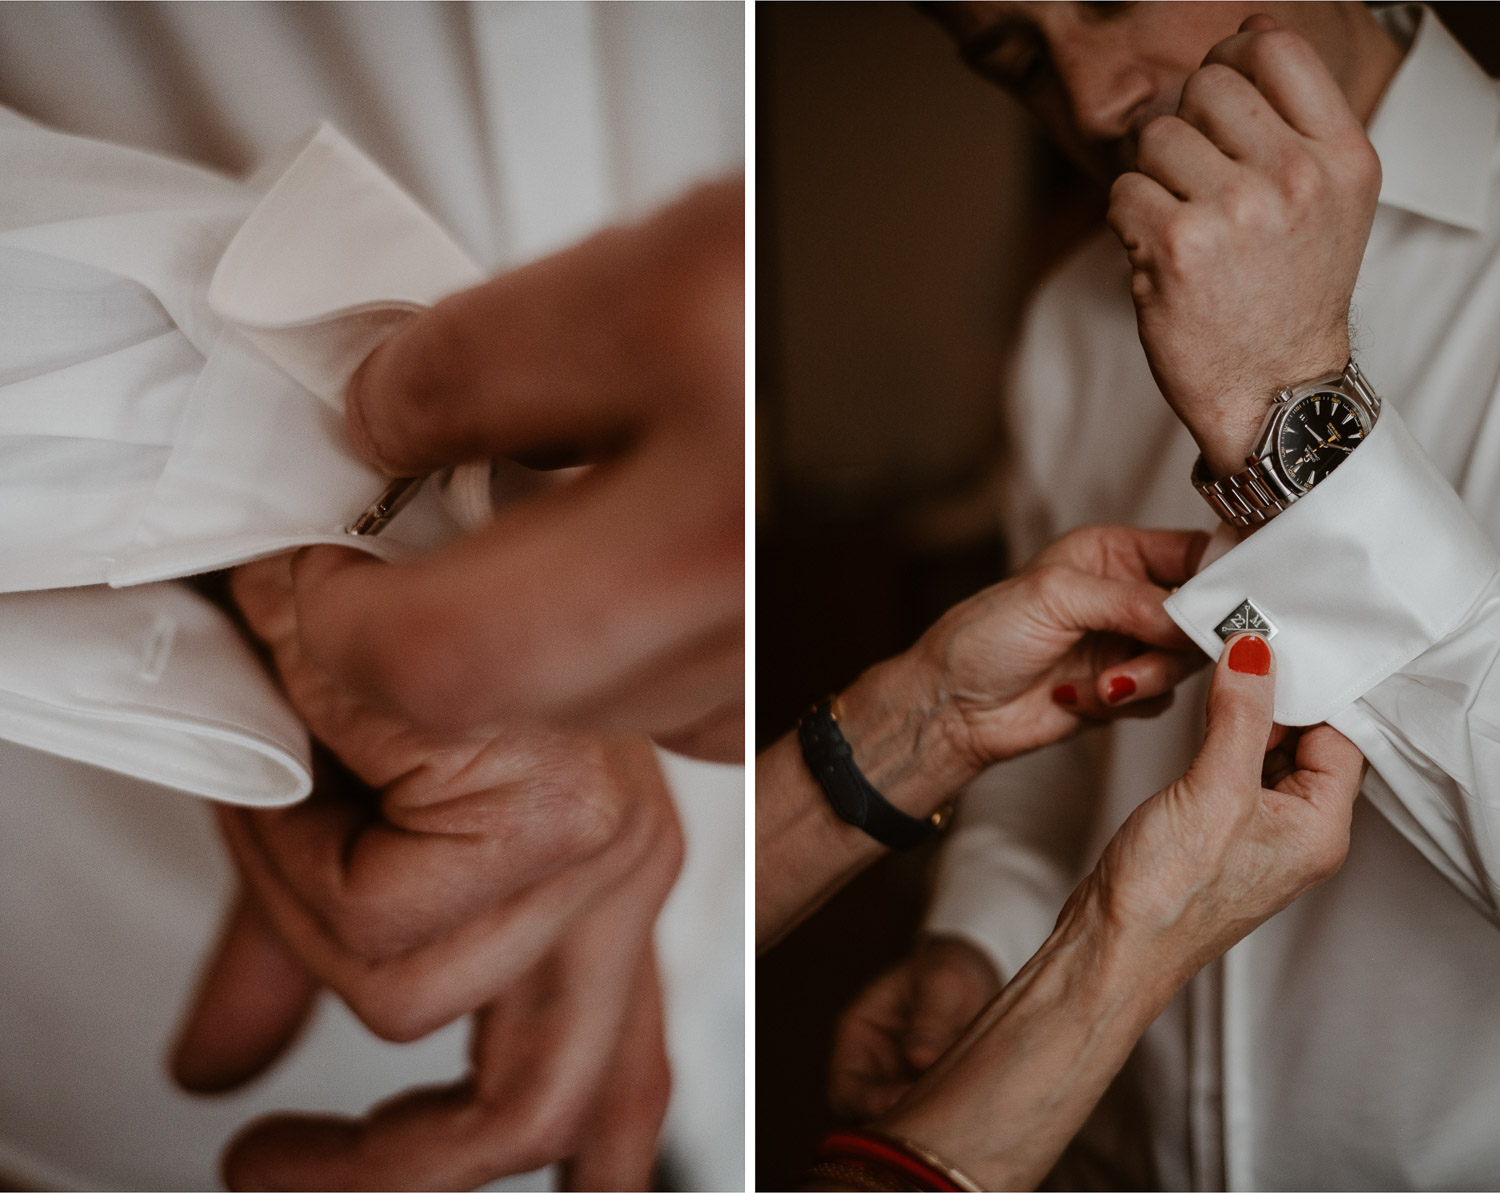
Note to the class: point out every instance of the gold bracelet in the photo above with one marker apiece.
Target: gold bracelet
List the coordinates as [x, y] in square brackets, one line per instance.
[957, 1175]
[858, 1178]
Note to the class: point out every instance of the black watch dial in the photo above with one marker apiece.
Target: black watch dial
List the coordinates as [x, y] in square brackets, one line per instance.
[1319, 432]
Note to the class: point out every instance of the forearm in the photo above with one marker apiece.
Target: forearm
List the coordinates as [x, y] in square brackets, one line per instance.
[1005, 1101]
[803, 851]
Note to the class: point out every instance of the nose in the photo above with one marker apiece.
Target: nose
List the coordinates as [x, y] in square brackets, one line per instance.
[1108, 89]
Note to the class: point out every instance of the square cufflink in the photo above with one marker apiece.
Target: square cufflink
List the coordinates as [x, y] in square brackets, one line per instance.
[1246, 618]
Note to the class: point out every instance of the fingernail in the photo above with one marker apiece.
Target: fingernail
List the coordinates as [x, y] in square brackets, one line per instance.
[1120, 687]
[1250, 655]
[1065, 693]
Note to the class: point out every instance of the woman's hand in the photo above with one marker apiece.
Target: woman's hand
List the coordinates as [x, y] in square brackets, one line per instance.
[1076, 637]
[1194, 868]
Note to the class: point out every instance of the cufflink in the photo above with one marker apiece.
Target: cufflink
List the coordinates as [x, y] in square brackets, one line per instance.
[1246, 618]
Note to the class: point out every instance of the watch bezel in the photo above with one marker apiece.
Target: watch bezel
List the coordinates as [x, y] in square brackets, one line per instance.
[1283, 413]
[1267, 445]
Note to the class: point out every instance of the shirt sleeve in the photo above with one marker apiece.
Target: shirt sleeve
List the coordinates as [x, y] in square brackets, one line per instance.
[172, 362]
[1385, 597]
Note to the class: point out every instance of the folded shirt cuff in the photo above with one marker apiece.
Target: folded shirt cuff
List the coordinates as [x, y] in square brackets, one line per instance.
[156, 684]
[1359, 577]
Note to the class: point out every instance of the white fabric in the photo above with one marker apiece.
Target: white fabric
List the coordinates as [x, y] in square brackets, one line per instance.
[198, 426]
[1350, 1042]
[175, 341]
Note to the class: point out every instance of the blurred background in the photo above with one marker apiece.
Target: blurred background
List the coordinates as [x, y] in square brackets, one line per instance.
[905, 210]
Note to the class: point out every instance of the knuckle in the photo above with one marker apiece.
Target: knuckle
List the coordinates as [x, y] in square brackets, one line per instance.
[1188, 243]
[1048, 583]
[1156, 133]
[387, 1008]
[1203, 86]
[1302, 176]
[361, 927]
[1245, 207]
[1273, 45]
[1328, 856]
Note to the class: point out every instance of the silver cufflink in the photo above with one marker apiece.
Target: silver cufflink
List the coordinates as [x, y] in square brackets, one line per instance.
[1246, 619]
[392, 500]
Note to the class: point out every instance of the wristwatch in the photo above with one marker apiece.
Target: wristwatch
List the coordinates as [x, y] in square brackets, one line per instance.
[1309, 431]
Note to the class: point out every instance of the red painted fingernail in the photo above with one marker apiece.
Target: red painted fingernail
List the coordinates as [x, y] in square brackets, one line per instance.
[1065, 693]
[1120, 687]
[1250, 655]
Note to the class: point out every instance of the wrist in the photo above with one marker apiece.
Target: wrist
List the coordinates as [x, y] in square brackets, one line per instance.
[1005, 1100]
[908, 740]
[1228, 438]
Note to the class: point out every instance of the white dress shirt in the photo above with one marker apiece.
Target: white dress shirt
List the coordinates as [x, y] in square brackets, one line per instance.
[176, 343]
[1350, 1042]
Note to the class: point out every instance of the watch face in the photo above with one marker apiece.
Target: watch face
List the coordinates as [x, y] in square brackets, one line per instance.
[1317, 435]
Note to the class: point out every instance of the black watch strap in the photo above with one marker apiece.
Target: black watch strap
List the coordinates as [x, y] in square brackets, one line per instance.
[853, 797]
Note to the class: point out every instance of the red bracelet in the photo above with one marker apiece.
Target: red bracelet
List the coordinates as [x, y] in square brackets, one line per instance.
[917, 1168]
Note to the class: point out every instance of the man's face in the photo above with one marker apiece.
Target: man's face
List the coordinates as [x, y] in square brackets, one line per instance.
[1096, 74]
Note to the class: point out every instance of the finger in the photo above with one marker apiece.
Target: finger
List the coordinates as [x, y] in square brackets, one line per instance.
[1139, 208]
[946, 1000]
[717, 737]
[1329, 769]
[403, 997]
[382, 887]
[1288, 72]
[1241, 701]
[1227, 109]
[619, 1138]
[1082, 603]
[574, 348]
[1182, 159]
[251, 1003]
[1146, 676]
[539, 1055]
[580, 592]
[1164, 557]
[867, 1065]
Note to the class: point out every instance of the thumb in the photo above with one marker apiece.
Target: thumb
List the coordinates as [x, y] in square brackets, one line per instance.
[944, 1004]
[1241, 705]
[253, 1000]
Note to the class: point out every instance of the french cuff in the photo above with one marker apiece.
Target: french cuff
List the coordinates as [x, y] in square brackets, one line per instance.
[1001, 900]
[1354, 580]
[332, 261]
[155, 683]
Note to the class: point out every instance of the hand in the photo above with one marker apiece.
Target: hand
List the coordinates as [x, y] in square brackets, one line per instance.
[615, 602]
[903, 1021]
[429, 876]
[1076, 637]
[1193, 869]
[1260, 816]
[1245, 225]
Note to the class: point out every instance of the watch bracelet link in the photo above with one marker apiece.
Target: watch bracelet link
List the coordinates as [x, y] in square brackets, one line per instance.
[1246, 498]
[854, 799]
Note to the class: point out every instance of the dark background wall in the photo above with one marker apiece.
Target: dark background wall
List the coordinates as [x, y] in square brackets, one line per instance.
[905, 209]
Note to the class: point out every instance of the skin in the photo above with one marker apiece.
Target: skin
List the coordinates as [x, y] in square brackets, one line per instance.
[513, 877]
[975, 689]
[1192, 870]
[1242, 189]
[1242, 185]
[611, 603]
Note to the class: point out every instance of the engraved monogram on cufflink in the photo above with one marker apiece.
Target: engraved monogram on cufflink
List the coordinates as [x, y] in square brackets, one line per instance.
[1246, 618]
